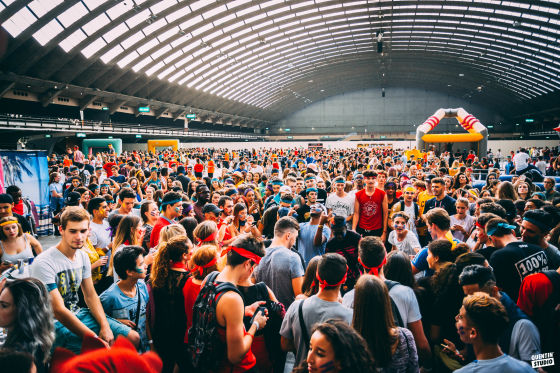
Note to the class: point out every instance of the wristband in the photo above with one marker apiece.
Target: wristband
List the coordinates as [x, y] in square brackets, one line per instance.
[320, 226]
[257, 324]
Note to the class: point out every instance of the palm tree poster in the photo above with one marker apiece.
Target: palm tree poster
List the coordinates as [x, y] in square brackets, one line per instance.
[29, 171]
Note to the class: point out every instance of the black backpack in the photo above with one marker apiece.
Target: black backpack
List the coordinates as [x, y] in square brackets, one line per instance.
[204, 345]
[396, 314]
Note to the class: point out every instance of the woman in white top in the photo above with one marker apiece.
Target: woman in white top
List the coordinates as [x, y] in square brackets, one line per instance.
[14, 244]
[130, 231]
[401, 238]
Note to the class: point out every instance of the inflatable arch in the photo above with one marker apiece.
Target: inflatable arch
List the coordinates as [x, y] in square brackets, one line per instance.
[101, 145]
[154, 144]
[477, 133]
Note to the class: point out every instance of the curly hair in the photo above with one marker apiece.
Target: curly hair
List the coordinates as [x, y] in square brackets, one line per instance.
[33, 330]
[168, 252]
[349, 347]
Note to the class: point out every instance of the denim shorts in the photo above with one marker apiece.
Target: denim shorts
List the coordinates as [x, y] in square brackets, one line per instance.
[65, 338]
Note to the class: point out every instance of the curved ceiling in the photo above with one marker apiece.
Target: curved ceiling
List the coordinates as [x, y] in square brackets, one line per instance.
[267, 59]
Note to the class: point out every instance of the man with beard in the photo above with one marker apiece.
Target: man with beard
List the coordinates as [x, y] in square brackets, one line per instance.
[63, 269]
[202, 198]
[345, 242]
[535, 227]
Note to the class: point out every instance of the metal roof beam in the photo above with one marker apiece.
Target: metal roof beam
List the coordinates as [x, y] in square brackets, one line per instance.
[5, 87]
[86, 101]
[116, 106]
[49, 96]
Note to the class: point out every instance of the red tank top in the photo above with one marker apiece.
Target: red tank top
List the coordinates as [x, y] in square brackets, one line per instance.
[248, 362]
[190, 292]
[371, 209]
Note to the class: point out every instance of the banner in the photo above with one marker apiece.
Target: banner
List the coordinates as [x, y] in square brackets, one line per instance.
[29, 171]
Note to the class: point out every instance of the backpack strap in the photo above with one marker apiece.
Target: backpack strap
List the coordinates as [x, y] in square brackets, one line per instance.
[396, 313]
[302, 325]
[554, 277]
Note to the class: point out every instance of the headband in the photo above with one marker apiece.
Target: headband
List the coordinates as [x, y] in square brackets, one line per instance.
[277, 182]
[309, 177]
[500, 225]
[340, 181]
[479, 225]
[211, 237]
[171, 202]
[324, 284]
[373, 270]
[308, 190]
[9, 222]
[201, 268]
[543, 227]
[244, 253]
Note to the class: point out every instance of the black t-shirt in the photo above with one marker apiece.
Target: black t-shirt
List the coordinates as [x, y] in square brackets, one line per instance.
[303, 213]
[321, 195]
[184, 182]
[348, 248]
[447, 203]
[514, 262]
[487, 252]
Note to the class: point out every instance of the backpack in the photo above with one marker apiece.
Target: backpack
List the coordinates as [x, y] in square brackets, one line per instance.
[396, 314]
[205, 347]
[547, 318]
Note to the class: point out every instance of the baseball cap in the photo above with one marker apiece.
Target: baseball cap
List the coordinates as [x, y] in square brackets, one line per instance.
[72, 199]
[210, 207]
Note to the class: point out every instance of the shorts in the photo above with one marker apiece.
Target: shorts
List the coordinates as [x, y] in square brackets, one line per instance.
[65, 338]
[367, 233]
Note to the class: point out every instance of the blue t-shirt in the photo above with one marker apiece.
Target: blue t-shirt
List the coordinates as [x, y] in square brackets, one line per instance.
[502, 364]
[420, 261]
[119, 306]
[305, 241]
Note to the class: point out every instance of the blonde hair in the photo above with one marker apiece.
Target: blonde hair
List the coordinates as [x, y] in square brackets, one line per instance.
[204, 230]
[9, 219]
[201, 257]
[170, 231]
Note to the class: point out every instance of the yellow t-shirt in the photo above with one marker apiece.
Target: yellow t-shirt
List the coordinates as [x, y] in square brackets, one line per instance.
[423, 197]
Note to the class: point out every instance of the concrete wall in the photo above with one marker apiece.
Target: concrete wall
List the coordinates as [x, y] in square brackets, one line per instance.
[504, 145]
[367, 111]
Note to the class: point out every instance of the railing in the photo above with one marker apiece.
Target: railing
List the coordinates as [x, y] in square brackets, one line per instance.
[87, 126]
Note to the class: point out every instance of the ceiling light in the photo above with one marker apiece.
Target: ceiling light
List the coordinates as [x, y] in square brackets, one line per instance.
[310, 81]
[461, 74]
[322, 90]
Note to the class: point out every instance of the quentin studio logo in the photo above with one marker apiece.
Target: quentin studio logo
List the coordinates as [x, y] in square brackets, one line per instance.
[542, 360]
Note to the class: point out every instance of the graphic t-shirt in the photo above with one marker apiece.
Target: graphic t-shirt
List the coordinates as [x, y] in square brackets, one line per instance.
[55, 270]
[514, 262]
[99, 234]
[341, 206]
[119, 306]
[371, 209]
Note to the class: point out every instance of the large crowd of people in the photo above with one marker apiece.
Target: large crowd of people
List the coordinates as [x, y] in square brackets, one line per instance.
[281, 260]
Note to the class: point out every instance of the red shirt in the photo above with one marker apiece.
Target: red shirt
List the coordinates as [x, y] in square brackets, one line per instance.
[107, 168]
[533, 292]
[18, 207]
[371, 209]
[190, 292]
[154, 237]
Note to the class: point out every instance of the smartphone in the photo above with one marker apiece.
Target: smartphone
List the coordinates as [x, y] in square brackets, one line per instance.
[259, 309]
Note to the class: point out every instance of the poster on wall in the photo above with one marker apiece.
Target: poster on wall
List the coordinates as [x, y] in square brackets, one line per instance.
[29, 171]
